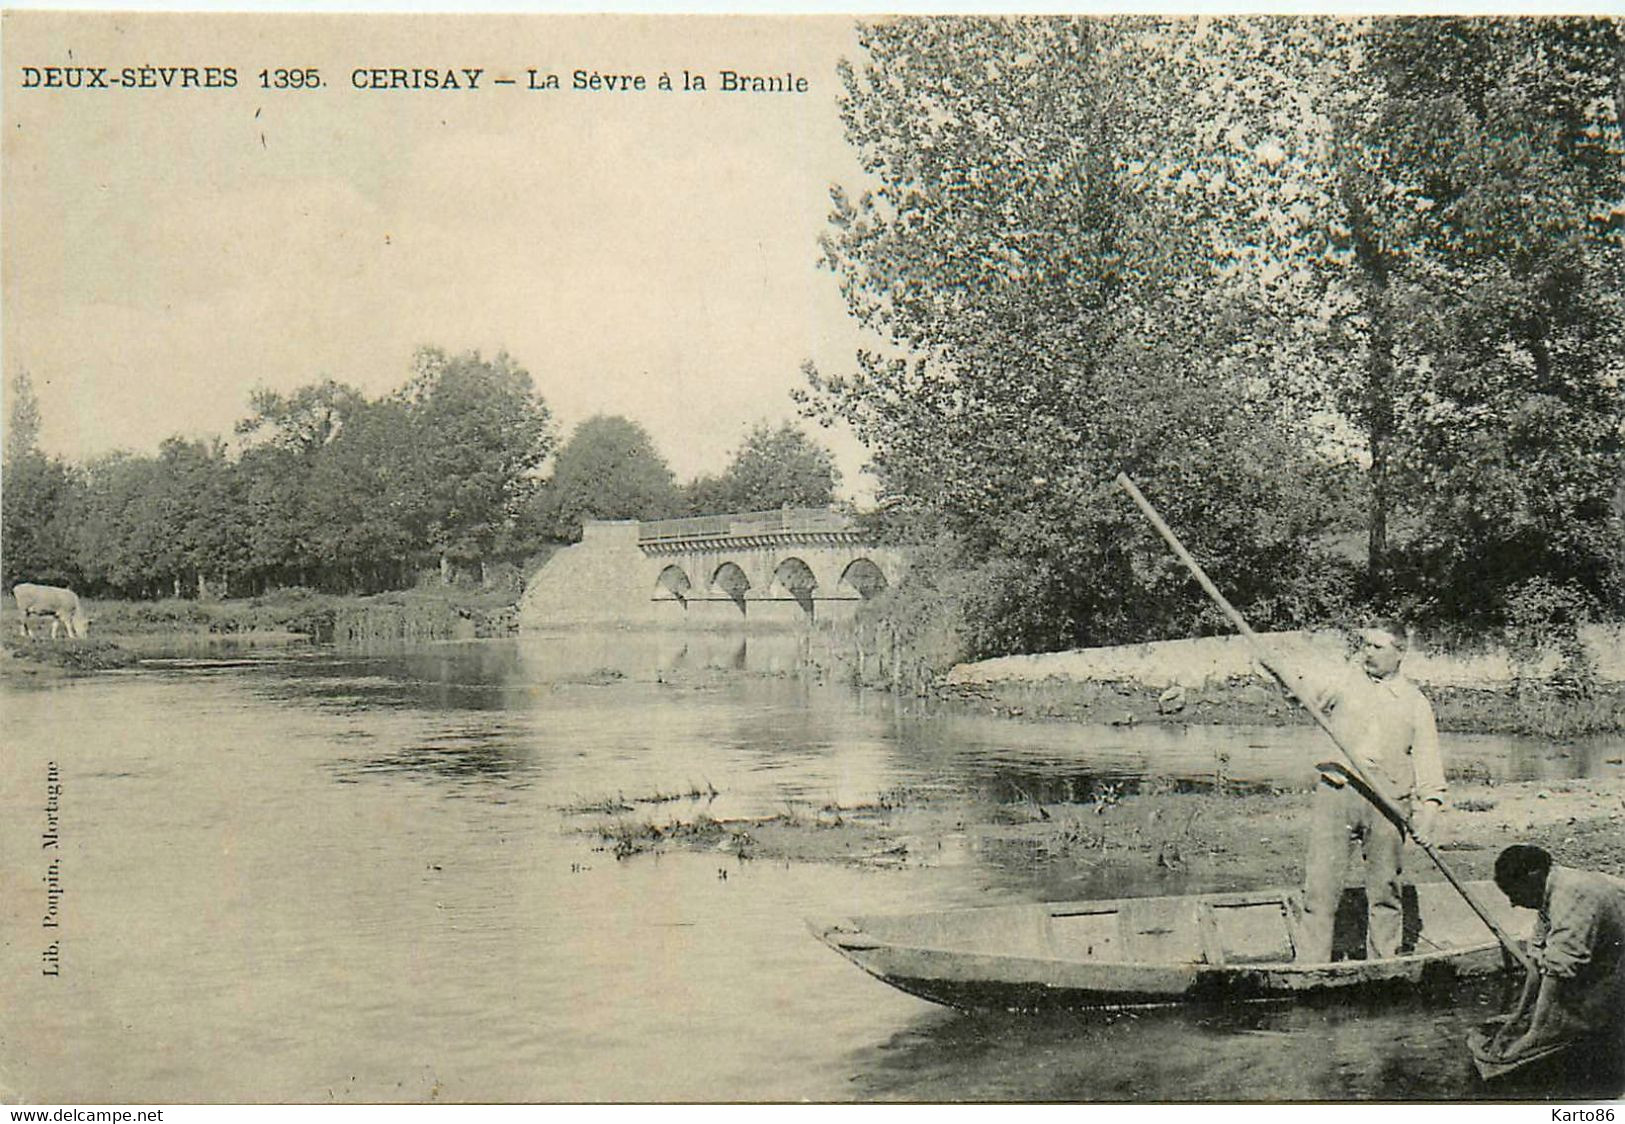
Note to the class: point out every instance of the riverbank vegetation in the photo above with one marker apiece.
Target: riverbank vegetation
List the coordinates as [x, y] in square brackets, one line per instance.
[327, 490]
[1157, 834]
[1343, 296]
[23, 656]
[285, 616]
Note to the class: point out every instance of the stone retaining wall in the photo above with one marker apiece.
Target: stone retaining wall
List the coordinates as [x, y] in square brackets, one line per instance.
[597, 580]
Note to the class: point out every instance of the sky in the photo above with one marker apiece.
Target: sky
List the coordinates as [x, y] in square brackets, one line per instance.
[651, 254]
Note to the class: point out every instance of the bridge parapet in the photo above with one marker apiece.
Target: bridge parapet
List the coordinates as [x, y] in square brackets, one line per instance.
[784, 525]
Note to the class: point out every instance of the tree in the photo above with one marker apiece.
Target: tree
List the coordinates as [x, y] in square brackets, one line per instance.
[773, 468]
[36, 522]
[1425, 213]
[303, 422]
[22, 430]
[1051, 322]
[200, 516]
[1500, 142]
[479, 433]
[609, 469]
[166, 525]
[1391, 241]
[329, 485]
[119, 539]
[364, 503]
[36, 504]
[279, 517]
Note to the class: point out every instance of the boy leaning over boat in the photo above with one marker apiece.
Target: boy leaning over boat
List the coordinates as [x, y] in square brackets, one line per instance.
[1575, 987]
[1387, 726]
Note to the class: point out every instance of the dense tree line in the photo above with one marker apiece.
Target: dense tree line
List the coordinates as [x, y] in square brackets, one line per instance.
[325, 488]
[1313, 283]
[610, 469]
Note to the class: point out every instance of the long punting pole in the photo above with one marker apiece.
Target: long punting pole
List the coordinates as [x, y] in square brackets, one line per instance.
[1371, 790]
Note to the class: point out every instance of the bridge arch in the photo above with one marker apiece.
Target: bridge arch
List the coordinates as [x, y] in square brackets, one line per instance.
[864, 577]
[675, 584]
[798, 580]
[795, 576]
[732, 580]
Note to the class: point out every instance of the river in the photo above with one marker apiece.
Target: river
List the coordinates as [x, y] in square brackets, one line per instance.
[318, 876]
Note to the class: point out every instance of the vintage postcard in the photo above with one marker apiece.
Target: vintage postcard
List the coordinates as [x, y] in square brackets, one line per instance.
[615, 558]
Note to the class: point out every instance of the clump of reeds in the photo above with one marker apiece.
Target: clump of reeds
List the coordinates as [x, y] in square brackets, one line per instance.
[621, 803]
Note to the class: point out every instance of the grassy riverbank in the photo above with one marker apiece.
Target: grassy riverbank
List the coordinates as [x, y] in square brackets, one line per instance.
[121, 630]
[1546, 694]
[299, 612]
[1523, 709]
[35, 659]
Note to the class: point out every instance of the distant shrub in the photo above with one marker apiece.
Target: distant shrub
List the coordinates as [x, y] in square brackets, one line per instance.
[1545, 617]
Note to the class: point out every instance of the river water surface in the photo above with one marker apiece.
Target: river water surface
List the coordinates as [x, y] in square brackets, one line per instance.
[327, 876]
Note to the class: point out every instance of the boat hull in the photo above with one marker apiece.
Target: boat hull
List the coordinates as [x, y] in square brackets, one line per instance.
[1155, 951]
[983, 983]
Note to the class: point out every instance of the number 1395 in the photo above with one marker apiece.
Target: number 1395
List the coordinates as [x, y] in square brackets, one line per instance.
[309, 79]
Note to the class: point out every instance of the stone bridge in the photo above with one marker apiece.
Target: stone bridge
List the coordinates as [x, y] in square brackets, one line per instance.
[789, 566]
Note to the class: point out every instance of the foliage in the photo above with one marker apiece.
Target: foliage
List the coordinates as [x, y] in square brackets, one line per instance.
[118, 529]
[303, 422]
[609, 469]
[367, 511]
[1309, 243]
[1502, 139]
[1543, 619]
[315, 482]
[328, 490]
[34, 516]
[35, 522]
[1424, 217]
[773, 468]
[478, 434]
[1052, 325]
[22, 420]
[197, 505]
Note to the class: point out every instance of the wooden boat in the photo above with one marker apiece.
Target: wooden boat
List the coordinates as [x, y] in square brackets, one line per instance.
[1164, 950]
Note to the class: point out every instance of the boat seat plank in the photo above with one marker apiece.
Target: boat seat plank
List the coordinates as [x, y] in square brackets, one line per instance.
[1086, 936]
[1212, 941]
[1160, 930]
[1256, 933]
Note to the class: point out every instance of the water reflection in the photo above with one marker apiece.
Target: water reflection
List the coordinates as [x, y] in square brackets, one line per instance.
[1050, 761]
[476, 760]
[369, 866]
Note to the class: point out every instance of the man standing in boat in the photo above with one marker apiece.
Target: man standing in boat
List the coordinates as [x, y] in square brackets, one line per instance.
[1387, 726]
[1575, 987]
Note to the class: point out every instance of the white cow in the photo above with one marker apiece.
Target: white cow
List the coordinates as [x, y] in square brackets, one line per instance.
[61, 605]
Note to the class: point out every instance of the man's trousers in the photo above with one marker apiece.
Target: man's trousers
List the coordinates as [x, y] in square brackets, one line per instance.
[1341, 818]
